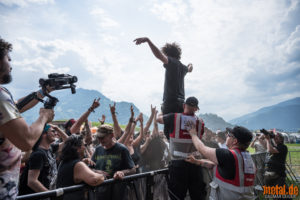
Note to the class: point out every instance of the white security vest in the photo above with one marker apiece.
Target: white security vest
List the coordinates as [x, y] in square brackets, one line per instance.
[181, 144]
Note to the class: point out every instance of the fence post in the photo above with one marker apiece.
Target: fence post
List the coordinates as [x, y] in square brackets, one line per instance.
[149, 187]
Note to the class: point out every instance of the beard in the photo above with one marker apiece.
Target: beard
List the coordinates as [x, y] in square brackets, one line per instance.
[7, 78]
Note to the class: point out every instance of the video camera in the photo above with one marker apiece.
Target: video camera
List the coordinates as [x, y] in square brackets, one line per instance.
[55, 81]
[265, 132]
[58, 81]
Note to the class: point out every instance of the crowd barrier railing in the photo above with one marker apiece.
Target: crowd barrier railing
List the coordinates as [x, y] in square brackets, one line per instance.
[58, 193]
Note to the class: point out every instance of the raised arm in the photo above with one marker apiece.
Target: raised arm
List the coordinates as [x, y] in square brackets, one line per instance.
[253, 141]
[128, 127]
[156, 52]
[138, 140]
[88, 136]
[24, 136]
[207, 152]
[155, 125]
[76, 126]
[149, 122]
[117, 128]
[40, 94]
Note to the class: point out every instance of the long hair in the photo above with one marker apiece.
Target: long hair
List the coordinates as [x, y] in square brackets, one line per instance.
[172, 50]
[69, 151]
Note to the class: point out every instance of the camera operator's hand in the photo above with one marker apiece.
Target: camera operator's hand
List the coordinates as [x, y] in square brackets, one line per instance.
[47, 113]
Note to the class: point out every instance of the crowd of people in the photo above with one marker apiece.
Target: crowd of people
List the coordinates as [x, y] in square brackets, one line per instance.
[203, 163]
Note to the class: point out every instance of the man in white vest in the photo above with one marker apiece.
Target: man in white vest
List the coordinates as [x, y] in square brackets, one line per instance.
[234, 172]
[183, 175]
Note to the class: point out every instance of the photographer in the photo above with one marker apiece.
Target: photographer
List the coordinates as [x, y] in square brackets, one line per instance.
[15, 134]
[275, 161]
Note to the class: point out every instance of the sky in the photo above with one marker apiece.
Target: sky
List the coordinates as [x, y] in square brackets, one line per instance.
[245, 53]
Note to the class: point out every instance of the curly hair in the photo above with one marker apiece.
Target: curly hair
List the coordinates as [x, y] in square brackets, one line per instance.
[5, 47]
[172, 50]
[69, 151]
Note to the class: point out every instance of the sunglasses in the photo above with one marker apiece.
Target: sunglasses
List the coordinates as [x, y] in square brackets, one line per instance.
[230, 135]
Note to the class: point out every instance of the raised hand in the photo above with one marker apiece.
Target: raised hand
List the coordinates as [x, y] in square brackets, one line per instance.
[153, 109]
[113, 108]
[131, 111]
[102, 119]
[95, 104]
[140, 40]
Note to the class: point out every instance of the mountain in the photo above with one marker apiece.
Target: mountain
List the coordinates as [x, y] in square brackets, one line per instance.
[284, 115]
[214, 122]
[74, 105]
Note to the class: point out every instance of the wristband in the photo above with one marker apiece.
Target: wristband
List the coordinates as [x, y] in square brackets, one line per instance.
[91, 109]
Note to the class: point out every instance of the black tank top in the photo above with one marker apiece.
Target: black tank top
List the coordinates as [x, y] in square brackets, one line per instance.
[65, 178]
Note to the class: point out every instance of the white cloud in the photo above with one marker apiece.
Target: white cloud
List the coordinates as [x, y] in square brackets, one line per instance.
[244, 52]
[23, 3]
[103, 19]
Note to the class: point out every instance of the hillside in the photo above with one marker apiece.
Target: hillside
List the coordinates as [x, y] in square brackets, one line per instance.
[74, 105]
[284, 115]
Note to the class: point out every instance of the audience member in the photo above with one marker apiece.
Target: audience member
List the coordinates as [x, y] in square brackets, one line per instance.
[221, 139]
[73, 171]
[40, 172]
[259, 143]
[114, 159]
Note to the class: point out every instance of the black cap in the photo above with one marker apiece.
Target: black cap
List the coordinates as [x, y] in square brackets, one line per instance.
[243, 135]
[192, 101]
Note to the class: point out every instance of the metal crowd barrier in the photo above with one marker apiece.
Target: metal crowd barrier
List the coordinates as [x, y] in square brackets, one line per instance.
[58, 193]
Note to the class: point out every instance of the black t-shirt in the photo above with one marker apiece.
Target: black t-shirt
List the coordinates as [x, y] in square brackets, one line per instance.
[65, 178]
[276, 161]
[45, 161]
[114, 159]
[174, 80]
[226, 166]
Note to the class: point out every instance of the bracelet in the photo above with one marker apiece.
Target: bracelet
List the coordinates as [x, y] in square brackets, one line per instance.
[91, 109]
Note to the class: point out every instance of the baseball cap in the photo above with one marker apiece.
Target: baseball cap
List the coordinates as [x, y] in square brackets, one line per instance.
[104, 130]
[46, 128]
[243, 135]
[69, 123]
[192, 101]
